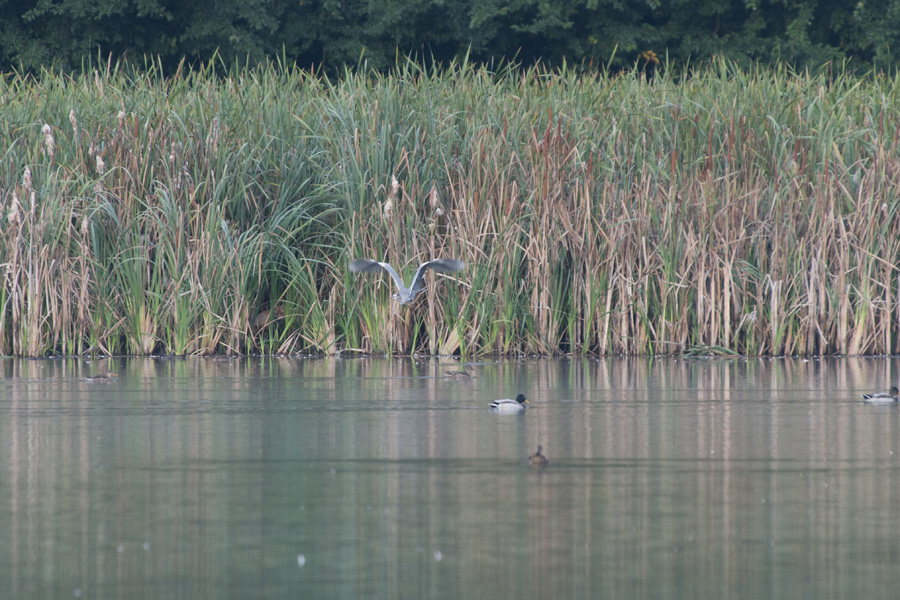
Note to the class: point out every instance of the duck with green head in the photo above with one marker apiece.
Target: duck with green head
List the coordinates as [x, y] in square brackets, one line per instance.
[510, 407]
[893, 395]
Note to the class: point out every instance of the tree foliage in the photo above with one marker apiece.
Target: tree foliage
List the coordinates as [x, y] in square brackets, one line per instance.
[333, 33]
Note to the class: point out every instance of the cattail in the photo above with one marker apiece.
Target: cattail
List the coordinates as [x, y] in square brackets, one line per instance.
[433, 197]
[85, 225]
[388, 209]
[13, 216]
[395, 187]
[48, 140]
[73, 121]
[101, 166]
[33, 202]
[26, 180]
[121, 118]
[212, 139]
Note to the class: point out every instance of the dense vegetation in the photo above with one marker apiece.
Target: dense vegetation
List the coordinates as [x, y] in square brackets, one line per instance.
[754, 211]
[330, 34]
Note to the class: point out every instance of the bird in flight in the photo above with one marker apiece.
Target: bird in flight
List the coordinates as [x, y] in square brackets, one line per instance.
[404, 294]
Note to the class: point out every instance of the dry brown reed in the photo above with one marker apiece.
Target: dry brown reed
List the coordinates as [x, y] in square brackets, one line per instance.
[753, 212]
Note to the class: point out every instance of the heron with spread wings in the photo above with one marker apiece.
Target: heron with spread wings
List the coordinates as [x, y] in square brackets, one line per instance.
[404, 294]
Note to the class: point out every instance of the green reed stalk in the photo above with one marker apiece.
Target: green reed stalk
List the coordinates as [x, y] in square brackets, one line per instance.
[196, 213]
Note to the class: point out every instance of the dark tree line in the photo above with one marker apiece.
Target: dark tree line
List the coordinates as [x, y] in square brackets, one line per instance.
[331, 33]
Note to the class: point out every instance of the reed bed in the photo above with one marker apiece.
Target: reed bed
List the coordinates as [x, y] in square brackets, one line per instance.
[193, 213]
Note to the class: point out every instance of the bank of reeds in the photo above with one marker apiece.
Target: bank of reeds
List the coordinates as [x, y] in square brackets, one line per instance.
[194, 214]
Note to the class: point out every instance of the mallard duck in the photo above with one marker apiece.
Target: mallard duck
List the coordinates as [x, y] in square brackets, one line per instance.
[108, 376]
[507, 406]
[404, 294]
[466, 373]
[537, 459]
[893, 395]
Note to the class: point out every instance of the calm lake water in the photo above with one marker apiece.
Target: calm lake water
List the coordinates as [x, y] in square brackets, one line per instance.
[377, 478]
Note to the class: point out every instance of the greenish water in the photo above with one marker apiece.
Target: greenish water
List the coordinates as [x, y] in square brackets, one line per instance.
[352, 478]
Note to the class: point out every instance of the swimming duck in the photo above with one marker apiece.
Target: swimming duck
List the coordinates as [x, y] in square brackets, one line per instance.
[510, 407]
[466, 373]
[108, 376]
[537, 459]
[882, 397]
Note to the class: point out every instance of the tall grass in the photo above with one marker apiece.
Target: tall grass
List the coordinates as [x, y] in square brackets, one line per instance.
[190, 213]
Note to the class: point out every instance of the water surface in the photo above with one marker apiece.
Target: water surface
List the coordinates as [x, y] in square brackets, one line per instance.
[349, 478]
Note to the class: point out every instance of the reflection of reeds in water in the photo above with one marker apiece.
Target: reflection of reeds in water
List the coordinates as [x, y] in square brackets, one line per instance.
[752, 211]
[658, 466]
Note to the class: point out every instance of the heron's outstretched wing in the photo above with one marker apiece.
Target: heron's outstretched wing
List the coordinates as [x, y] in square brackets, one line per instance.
[442, 265]
[373, 266]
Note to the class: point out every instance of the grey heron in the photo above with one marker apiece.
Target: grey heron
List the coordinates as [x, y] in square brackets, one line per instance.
[404, 294]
